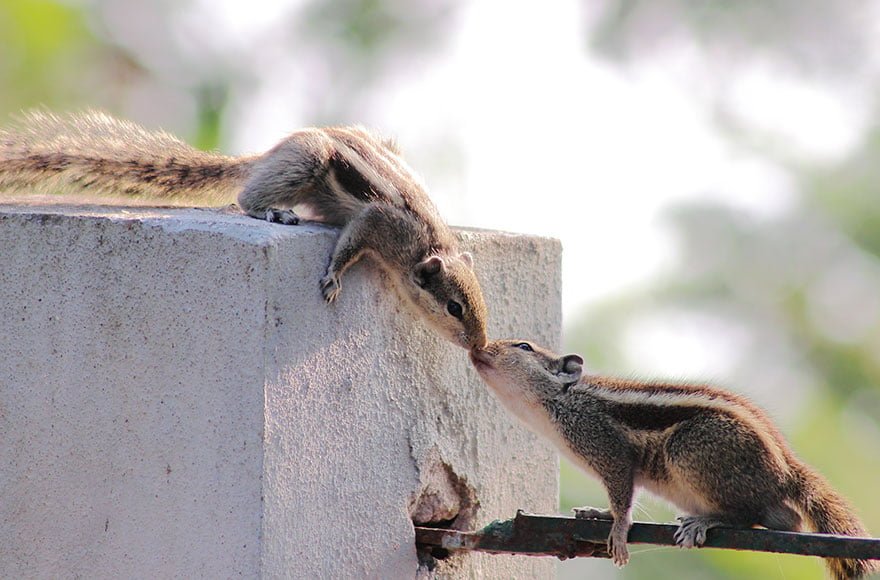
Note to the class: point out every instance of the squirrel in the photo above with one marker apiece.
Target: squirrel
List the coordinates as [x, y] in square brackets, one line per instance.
[343, 176]
[710, 452]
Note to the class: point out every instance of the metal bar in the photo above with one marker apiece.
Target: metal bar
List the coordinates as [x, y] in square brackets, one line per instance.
[566, 537]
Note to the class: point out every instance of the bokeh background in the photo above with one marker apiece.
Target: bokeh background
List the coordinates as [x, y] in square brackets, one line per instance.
[710, 167]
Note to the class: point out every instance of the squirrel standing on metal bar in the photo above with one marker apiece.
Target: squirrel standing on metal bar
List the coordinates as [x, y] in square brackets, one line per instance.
[712, 453]
[343, 176]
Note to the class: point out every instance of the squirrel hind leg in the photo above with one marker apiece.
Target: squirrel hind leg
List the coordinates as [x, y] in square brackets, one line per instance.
[591, 513]
[692, 530]
[276, 216]
[273, 215]
[781, 517]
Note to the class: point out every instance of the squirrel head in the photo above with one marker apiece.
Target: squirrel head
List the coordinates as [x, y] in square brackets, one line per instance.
[518, 365]
[446, 289]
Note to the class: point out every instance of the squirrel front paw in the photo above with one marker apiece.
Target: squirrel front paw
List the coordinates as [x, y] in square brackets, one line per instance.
[281, 216]
[330, 287]
[617, 549]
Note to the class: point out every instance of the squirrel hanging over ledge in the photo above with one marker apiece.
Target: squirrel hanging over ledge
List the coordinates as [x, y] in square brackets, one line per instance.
[343, 176]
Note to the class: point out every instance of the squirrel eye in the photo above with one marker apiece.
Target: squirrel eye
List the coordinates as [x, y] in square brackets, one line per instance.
[524, 346]
[454, 308]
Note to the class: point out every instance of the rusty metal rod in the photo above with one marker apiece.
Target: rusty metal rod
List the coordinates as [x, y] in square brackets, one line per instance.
[566, 537]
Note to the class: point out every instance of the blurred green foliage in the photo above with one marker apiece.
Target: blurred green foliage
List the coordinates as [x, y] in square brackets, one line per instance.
[42, 44]
[830, 38]
[802, 284]
[170, 64]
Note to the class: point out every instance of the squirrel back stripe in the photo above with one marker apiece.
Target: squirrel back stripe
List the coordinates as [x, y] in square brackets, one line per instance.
[379, 164]
[671, 402]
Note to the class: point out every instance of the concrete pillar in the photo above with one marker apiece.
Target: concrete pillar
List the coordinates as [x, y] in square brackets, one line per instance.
[177, 401]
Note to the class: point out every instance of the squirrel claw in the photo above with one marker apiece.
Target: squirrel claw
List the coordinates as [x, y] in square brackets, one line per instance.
[619, 553]
[281, 216]
[617, 542]
[330, 287]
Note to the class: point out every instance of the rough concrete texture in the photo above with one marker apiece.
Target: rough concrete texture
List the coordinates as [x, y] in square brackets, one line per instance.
[178, 401]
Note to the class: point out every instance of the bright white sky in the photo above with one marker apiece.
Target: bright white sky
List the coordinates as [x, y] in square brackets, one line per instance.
[554, 141]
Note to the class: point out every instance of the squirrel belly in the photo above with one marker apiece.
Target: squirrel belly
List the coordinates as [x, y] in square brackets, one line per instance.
[343, 176]
[712, 453]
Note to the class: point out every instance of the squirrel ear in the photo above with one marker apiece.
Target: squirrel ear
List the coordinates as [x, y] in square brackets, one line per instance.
[468, 259]
[427, 268]
[571, 369]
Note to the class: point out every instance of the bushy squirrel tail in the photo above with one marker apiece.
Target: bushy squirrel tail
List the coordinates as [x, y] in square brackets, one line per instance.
[96, 153]
[830, 513]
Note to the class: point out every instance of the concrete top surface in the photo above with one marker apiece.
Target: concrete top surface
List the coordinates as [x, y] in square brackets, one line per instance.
[228, 219]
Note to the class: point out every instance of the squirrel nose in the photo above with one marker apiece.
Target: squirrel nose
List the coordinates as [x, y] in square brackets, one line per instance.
[478, 342]
[480, 357]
